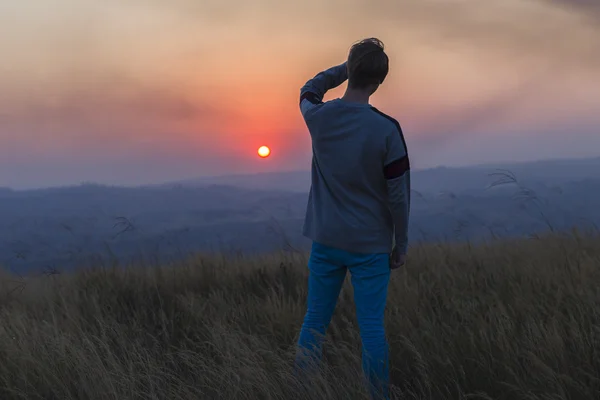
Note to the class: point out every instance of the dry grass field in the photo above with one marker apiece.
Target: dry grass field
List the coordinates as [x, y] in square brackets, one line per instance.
[506, 320]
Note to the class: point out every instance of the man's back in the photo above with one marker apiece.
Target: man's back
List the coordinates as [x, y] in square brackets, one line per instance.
[348, 204]
[359, 202]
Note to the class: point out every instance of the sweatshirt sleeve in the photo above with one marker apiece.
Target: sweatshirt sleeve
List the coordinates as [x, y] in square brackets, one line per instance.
[397, 175]
[312, 93]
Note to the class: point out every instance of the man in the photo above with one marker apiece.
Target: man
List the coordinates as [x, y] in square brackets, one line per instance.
[358, 205]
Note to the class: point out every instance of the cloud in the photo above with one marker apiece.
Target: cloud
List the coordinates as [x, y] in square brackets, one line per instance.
[519, 33]
[589, 8]
[483, 114]
[83, 76]
[93, 98]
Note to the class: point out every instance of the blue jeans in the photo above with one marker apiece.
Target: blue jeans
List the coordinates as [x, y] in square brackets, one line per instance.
[370, 275]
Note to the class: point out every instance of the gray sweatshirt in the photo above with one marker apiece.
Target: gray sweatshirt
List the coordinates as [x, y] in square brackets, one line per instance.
[359, 199]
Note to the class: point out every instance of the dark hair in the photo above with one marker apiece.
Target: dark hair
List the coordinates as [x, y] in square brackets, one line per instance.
[367, 63]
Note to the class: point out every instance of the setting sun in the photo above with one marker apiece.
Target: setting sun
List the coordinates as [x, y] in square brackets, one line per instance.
[264, 151]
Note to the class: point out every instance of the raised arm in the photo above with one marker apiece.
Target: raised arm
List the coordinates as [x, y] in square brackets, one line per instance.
[397, 175]
[314, 90]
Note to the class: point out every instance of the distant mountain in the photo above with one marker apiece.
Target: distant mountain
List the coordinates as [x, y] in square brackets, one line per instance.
[61, 228]
[292, 181]
[433, 180]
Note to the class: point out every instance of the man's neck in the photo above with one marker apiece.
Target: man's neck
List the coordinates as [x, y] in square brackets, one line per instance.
[356, 96]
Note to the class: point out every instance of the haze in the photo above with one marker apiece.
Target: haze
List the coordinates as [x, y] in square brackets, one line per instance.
[141, 91]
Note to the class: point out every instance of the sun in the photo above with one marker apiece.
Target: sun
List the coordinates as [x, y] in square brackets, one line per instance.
[264, 151]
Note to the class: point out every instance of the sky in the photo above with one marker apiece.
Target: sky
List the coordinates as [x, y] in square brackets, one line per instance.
[131, 92]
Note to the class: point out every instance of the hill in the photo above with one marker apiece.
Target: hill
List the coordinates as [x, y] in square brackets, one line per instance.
[62, 228]
[504, 320]
[430, 180]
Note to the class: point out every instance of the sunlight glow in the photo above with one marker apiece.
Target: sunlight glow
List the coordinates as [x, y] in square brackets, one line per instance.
[264, 151]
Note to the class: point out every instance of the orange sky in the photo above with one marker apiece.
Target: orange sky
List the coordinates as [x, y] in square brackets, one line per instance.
[143, 91]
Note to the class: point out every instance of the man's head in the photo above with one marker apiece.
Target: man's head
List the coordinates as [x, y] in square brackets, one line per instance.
[368, 65]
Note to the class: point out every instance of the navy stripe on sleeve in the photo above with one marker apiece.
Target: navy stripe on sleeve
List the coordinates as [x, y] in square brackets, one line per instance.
[310, 96]
[395, 123]
[397, 168]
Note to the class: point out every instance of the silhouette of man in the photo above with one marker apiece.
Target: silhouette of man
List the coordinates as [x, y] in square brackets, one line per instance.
[358, 206]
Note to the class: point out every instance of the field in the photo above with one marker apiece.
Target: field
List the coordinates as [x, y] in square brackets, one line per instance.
[507, 320]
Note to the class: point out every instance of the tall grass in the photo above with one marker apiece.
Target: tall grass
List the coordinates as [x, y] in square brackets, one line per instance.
[506, 320]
